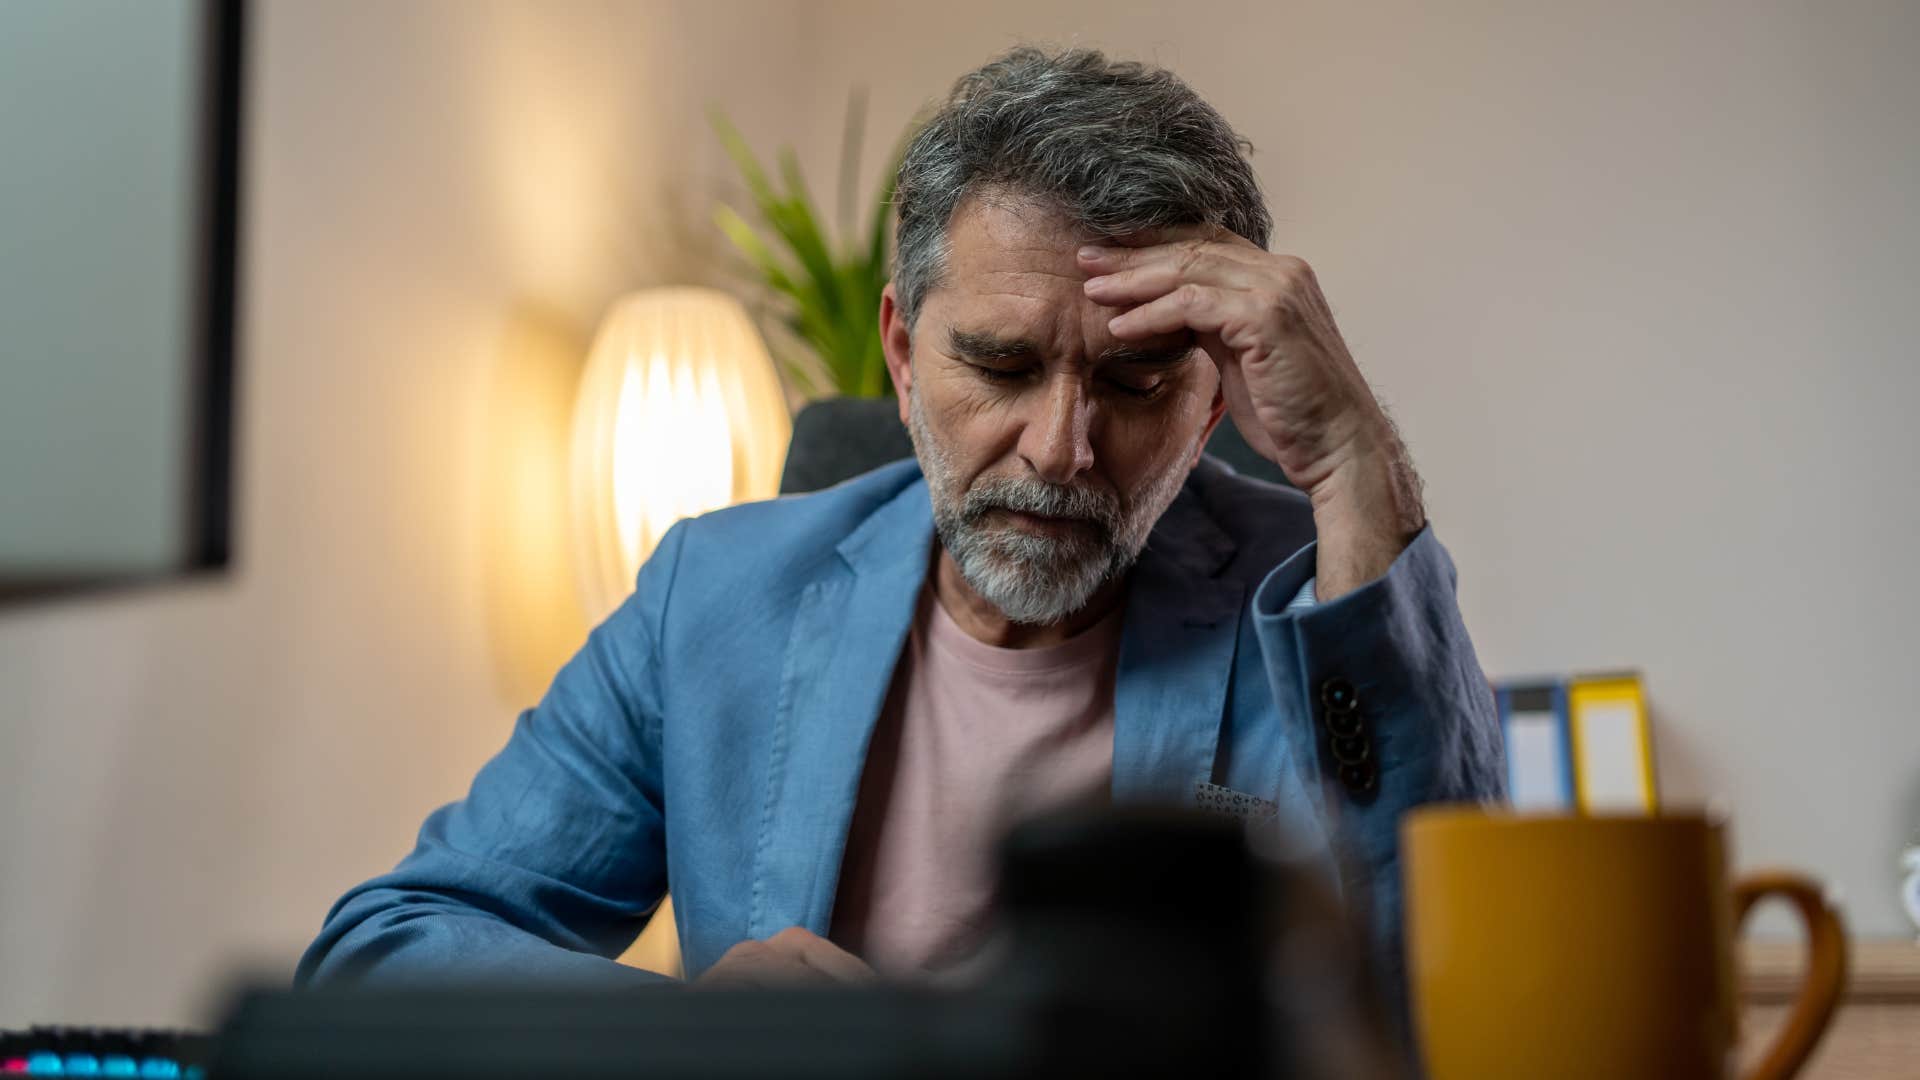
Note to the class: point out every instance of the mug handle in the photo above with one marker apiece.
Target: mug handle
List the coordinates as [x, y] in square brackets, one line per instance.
[1826, 967]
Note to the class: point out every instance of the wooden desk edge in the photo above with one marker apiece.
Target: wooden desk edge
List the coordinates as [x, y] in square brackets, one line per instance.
[1878, 970]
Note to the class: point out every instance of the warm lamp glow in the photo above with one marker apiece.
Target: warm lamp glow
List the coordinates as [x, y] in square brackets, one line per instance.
[679, 413]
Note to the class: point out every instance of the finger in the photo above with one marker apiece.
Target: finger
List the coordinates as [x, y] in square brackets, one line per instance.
[759, 967]
[1153, 279]
[1200, 308]
[824, 956]
[778, 971]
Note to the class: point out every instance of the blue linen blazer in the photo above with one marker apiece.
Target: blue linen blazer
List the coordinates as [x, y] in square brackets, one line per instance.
[710, 734]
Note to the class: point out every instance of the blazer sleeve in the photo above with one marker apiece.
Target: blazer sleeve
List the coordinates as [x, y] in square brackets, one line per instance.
[1397, 713]
[554, 861]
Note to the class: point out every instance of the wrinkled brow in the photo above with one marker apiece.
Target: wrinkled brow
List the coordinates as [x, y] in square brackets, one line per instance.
[980, 345]
[1140, 356]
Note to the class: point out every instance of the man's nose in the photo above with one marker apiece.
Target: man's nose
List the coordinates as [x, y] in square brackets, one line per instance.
[1056, 442]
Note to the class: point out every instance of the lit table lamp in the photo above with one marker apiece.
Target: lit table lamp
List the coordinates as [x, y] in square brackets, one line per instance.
[680, 412]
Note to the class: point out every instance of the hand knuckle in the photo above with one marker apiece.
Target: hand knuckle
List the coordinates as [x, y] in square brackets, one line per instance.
[1289, 318]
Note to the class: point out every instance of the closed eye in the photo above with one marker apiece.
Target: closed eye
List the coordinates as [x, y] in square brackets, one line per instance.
[1144, 393]
[998, 376]
[1003, 376]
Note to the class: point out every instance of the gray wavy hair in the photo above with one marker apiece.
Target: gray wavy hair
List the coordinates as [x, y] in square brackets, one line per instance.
[1117, 146]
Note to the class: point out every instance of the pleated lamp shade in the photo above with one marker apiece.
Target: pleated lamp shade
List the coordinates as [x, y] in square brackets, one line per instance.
[679, 413]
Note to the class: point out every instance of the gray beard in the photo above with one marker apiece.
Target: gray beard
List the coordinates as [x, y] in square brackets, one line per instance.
[1036, 580]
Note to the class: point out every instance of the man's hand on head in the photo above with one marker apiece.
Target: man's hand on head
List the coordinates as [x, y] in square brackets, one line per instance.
[1289, 382]
[793, 957]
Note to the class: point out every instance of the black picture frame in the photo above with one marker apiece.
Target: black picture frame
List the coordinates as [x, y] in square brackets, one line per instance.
[210, 455]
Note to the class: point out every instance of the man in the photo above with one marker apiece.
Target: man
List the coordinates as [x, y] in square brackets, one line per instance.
[813, 713]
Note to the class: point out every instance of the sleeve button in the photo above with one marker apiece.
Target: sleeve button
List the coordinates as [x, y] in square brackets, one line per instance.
[1344, 725]
[1359, 779]
[1351, 751]
[1338, 695]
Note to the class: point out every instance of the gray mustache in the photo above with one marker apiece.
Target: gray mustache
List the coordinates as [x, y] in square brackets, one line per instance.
[1048, 500]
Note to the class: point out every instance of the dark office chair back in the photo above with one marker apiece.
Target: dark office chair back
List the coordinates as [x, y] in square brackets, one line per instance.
[838, 438]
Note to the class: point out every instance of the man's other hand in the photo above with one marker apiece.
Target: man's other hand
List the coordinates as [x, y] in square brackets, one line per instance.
[794, 956]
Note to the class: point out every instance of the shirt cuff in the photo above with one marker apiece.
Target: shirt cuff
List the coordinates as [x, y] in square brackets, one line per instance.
[1303, 600]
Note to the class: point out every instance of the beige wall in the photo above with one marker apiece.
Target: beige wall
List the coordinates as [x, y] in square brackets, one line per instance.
[1635, 282]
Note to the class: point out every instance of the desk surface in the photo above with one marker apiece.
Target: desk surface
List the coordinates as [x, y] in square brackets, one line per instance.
[1877, 970]
[1875, 1035]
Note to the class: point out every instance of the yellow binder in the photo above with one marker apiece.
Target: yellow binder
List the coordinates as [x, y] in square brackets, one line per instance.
[1612, 744]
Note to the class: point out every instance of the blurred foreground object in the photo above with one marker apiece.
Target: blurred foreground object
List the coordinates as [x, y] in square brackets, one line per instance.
[1136, 943]
[149, 1053]
[1159, 942]
[679, 413]
[1583, 946]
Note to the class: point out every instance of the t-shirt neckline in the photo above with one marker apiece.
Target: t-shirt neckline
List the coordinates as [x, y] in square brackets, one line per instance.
[1089, 646]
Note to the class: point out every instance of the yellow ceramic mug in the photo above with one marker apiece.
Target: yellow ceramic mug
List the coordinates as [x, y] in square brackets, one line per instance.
[1573, 947]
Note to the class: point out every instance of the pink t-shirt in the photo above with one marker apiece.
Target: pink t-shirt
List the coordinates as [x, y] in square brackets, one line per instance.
[971, 738]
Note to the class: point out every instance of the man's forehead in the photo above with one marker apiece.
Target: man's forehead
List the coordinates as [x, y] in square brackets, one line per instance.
[989, 234]
[1013, 285]
[997, 218]
[1008, 212]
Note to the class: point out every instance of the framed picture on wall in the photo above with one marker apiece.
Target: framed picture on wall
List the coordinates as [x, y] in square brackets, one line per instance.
[120, 199]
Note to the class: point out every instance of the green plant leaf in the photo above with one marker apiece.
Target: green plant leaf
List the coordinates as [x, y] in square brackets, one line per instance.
[744, 160]
[755, 249]
[829, 293]
[802, 230]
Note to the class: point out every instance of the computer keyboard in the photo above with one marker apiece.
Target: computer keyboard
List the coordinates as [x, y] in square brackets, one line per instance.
[145, 1053]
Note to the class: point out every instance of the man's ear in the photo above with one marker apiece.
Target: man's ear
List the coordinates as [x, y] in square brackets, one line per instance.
[1214, 412]
[897, 345]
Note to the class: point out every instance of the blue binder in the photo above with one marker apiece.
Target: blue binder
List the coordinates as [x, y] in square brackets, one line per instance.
[1533, 719]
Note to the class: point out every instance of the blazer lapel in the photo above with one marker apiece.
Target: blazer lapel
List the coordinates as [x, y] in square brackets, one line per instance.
[848, 630]
[1177, 646]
